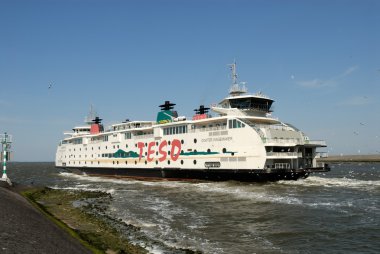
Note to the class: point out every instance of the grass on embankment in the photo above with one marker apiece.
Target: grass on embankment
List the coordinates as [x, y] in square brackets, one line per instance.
[93, 232]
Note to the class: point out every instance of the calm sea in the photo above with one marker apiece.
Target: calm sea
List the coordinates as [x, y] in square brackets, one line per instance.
[335, 212]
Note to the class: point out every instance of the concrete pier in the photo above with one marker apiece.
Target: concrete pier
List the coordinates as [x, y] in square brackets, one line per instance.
[24, 229]
[351, 158]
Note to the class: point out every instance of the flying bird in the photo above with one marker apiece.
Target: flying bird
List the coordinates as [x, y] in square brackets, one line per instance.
[362, 124]
[356, 133]
[50, 85]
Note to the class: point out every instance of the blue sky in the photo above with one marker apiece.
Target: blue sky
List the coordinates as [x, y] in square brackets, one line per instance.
[319, 61]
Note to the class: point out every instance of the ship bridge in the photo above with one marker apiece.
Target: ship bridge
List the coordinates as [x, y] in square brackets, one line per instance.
[240, 103]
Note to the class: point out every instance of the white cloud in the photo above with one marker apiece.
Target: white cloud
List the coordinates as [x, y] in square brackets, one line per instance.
[316, 83]
[349, 71]
[356, 101]
[331, 82]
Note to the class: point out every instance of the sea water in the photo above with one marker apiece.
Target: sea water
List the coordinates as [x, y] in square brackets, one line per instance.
[333, 212]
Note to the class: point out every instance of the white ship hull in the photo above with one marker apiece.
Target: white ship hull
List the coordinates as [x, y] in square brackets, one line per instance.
[207, 149]
[243, 143]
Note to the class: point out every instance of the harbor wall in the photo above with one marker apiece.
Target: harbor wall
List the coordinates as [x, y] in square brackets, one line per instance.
[351, 158]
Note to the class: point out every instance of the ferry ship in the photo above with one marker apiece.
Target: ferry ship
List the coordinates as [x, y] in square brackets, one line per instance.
[241, 141]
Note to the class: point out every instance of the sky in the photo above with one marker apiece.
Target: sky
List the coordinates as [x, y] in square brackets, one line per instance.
[319, 61]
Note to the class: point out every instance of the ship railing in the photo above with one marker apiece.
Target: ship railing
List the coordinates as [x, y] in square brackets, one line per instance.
[316, 142]
[215, 128]
[269, 126]
[282, 165]
[282, 140]
[282, 154]
[143, 136]
[321, 155]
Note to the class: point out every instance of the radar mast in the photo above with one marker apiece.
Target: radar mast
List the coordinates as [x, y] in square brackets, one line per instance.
[92, 114]
[236, 89]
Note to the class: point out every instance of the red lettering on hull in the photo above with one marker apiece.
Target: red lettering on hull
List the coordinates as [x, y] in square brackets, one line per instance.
[175, 150]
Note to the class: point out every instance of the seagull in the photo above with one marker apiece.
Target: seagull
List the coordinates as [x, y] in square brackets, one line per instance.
[356, 133]
[362, 124]
[50, 85]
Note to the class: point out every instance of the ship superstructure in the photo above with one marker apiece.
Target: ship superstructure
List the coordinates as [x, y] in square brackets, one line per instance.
[242, 142]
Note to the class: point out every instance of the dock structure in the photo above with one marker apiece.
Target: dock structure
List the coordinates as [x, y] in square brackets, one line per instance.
[5, 140]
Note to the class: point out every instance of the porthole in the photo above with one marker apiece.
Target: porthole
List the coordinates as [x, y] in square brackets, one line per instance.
[135, 145]
[224, 150]
[208, 151]
[156, 153]
[181, 162]
[169, 143]
[106, 147]
[156, 143]
[181, 151]
[126, 162]
[195, 162]
[182, 142]
[126, 146]
[117, 146]
[117, 162]
[168, 162]
[232, 154]
[146, 144]
[113, 162]
[156, 162]
[195, 141]
[168, 152]
[98, 162]
[195, 151]
[135, 162]
[146, 153]
[146, 162]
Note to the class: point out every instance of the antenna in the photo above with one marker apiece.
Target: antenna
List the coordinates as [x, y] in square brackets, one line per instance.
[234, 74]
[91, 115]
[235, 89]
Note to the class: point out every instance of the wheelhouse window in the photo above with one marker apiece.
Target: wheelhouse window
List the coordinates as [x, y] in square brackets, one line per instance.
[260, 104]
[234, 123]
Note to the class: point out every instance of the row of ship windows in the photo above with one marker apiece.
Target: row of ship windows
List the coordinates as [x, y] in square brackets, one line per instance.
[126, 146]
[126, 163]
[125, 154]
[232, 124]
[167, 131]
[175, 130]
